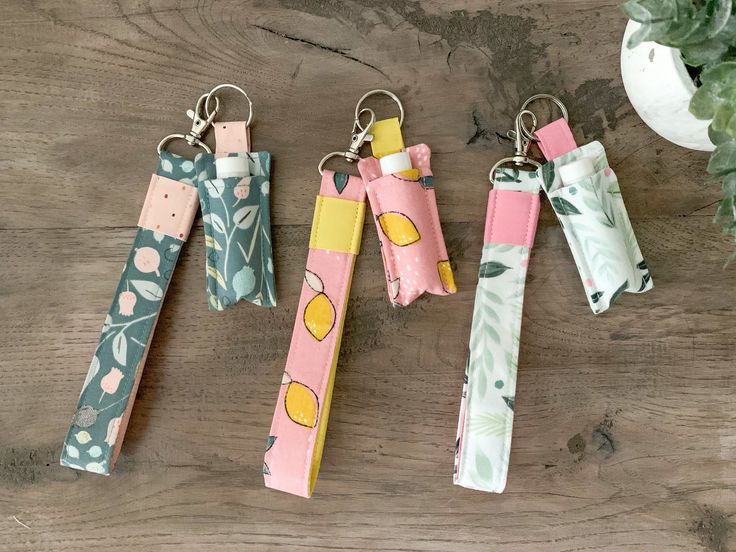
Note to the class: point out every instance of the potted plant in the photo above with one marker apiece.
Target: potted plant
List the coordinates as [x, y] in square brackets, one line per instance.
[679, 53]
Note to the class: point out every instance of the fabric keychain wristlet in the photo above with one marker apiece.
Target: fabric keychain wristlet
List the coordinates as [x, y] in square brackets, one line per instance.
[234, 188]
[487, 404]
[105, 403]
[297, 436]
[586, 197]
[400, 188]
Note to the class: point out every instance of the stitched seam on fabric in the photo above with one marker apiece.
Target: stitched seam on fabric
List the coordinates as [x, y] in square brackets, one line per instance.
[147, 203]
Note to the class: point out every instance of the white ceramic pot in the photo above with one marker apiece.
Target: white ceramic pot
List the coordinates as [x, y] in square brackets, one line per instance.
[660, 88]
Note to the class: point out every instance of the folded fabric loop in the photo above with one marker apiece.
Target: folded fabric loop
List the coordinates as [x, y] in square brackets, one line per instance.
[296, 440]
[106, 401]
[597, 227]
[237, 221]
[489, 391]
[408, 224]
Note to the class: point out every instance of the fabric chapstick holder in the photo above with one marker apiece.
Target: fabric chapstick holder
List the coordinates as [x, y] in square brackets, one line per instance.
[234, 188]
[400, 190]
[593, 217]
[295, 443]
[487, 406]
[105, 403]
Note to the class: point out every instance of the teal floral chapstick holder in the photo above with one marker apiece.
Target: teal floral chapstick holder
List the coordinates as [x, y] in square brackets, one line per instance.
[237, 227]
[105, 403]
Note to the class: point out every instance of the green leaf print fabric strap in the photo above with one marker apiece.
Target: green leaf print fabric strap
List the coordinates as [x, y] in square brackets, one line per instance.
[98, 425]
[593, 217]
[237, 228]
[487, 406]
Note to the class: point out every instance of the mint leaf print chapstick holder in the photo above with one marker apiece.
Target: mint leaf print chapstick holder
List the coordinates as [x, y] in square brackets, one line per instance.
[234, 187]
[585, 195]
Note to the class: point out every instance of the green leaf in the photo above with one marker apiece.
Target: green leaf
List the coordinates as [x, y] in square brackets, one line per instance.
[723, 159]
[492, 269]
[563, 206]
[483, 465]
[270, 441]
[703, 53]
[704, 102]
[618, 292]
[509, 401]
[548, 175]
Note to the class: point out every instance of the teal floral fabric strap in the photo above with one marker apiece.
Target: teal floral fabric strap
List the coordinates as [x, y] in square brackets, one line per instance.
[99, 422]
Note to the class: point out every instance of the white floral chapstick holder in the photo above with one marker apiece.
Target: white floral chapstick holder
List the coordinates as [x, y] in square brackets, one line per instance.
[593, 217]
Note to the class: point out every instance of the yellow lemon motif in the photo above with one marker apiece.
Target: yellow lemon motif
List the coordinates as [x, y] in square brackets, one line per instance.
[446, 276]
[319, 316]
[300, 402]
[399, 228]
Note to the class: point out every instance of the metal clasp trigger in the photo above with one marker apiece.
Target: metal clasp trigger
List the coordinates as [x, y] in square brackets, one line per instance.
[522, 144]
[360, 136]
[199, 125]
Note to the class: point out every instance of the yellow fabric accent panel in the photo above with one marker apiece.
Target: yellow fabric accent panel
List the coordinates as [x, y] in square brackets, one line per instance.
[387, 137]
[412, 174]
[337, 225]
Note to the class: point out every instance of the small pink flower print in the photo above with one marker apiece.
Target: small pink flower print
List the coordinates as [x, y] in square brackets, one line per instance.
[147, 260]
[607, 171]
[242, 190]
[112, 430]
[126, 303]
[111, 381]
[525, 263]
[589, 282]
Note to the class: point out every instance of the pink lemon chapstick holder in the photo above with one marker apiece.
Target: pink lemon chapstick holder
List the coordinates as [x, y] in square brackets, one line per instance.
[399, 186]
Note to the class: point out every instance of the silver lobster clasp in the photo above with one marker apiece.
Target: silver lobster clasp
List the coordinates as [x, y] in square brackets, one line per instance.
[201, 121]
[360, 135]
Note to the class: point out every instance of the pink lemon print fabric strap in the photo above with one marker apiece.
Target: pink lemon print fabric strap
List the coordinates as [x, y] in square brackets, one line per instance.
[106, 401]
[487, 406]
[296, 440]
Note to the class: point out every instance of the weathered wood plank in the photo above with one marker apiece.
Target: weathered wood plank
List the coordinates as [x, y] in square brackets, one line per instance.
[624, 428]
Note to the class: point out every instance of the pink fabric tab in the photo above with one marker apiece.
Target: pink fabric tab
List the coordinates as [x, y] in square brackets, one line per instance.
[511, 217]
[304, 395]
[556, 139]
[232, 137]
[169, 208]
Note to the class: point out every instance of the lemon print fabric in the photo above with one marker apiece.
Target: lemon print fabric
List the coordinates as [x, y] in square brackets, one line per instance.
[446, 276]
[300, 402]
[319, 314]
[398, 228]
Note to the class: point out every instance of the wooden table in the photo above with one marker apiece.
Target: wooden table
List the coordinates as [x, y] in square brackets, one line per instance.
[625, 423]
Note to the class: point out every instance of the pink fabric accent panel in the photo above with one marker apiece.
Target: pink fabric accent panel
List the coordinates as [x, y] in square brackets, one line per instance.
[408, 225]
[556, 139]
[169, 208]
[309, 362]
[511, 217]
[232, 137]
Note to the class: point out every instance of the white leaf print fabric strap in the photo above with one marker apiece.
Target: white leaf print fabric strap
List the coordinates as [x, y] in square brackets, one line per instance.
[487, 407]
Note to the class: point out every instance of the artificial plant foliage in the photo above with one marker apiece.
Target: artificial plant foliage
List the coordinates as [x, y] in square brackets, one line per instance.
[705, 33]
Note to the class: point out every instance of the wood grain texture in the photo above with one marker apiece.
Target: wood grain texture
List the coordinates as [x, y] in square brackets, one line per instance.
[625, 429]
